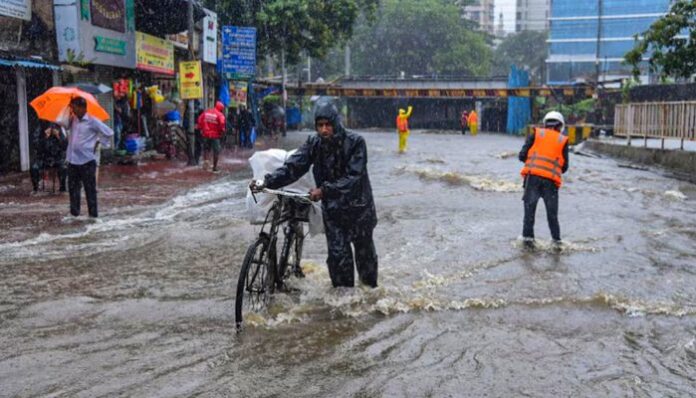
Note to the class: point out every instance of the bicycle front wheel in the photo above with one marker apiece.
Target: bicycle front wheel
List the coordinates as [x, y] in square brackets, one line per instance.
[256, 280]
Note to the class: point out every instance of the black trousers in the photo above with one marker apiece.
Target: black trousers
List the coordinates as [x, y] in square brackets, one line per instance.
[79, 175]
[540, 188]
[340, 259]
[40, 165]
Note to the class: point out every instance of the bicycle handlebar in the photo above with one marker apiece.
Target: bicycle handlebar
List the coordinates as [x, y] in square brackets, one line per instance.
[304, 197]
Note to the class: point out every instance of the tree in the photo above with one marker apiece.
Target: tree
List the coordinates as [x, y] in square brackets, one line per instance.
[527, 50]
[294, 27]
[672, 41]
[419, 37]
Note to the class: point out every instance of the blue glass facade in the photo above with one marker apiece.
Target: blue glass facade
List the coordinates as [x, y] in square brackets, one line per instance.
[578, 27]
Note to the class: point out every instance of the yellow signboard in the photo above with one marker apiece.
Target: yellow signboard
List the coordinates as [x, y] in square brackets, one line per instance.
[154, 54]
[190, 80]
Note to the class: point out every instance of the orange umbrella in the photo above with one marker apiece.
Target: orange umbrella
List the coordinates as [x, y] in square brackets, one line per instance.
[54, 102]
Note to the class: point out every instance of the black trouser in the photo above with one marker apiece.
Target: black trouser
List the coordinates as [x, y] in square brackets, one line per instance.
[340, 259]
[40, 165]
[79, 175]
[535, 188]
[245, 137]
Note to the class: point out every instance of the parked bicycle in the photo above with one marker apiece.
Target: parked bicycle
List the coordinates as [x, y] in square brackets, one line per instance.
[262, 271]
[171, 140]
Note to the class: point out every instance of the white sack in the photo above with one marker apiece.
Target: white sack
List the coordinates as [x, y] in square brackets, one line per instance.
[266, 162]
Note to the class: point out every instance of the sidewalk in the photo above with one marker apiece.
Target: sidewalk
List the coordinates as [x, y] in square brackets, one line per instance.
[24, 215]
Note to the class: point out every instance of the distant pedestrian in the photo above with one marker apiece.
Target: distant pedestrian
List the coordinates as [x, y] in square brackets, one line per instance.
[85, 133]
[464, 121]
[50, 154]
[545, 157]
[402, 128]
[473, 122]
[246, 123]
[211, 123]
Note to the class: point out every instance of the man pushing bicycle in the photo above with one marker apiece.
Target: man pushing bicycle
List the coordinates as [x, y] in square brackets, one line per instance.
[339, 158]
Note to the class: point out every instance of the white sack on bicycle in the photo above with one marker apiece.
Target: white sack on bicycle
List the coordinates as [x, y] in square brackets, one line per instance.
[266, 162]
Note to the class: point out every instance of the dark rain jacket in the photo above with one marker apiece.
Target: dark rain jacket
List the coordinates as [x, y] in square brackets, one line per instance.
[340, 170]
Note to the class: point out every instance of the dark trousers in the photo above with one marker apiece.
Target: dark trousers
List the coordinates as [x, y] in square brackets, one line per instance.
[79, 175]
[245, 137]
[536, 188]
[40, 166]
[340, 259]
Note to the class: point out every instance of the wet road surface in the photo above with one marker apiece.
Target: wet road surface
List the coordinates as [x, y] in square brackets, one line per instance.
[140, 302]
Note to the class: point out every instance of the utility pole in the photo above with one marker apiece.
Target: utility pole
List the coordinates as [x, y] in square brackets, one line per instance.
[284, 83]
[191, 112]
[598, 52]
[346, 60]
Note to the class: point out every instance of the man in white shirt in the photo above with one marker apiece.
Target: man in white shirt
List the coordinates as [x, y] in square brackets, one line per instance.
[85, 132]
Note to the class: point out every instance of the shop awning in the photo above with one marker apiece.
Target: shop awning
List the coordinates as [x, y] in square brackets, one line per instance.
[165, 17]
[27, 64]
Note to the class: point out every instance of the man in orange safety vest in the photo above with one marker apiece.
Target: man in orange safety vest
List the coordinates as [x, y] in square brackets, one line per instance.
[545, 157]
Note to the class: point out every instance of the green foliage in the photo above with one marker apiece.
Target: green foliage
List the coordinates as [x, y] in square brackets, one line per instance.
[580, 110]
[419, 37]
[671, 55]
[526, 50]
[295, 26]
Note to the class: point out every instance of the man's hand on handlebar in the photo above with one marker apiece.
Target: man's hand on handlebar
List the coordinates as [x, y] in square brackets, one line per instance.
[257, 186]
[315, 194]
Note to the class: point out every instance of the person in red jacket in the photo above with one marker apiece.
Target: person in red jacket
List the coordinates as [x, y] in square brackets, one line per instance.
[211, 123]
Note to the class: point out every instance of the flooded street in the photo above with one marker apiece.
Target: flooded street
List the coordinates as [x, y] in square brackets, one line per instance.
[141, 302]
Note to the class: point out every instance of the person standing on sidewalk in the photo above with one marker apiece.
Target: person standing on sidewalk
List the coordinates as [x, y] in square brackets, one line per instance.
[86, 132]
[246, 123]
[211, 123]
[50, 155]
[545, 157]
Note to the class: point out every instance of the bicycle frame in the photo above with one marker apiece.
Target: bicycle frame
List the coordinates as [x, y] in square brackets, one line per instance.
[276, 217]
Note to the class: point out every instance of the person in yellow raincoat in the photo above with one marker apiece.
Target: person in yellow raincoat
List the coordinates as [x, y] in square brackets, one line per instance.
[402, 127]
[473, 122]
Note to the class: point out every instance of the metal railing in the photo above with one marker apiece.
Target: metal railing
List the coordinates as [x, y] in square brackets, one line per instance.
[663, 120]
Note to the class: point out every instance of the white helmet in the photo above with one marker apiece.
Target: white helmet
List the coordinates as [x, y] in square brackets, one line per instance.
[555, 116]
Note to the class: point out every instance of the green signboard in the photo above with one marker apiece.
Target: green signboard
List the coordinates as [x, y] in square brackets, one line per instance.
[130, 16]
[109, 45]
[84, 10]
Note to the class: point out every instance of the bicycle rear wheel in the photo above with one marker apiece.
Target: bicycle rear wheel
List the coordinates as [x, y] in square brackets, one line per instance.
[256, 279]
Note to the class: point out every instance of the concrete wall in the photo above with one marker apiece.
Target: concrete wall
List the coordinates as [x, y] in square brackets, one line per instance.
[681, 162]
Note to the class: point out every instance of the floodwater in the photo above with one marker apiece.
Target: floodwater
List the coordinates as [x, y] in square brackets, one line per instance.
[140, 302]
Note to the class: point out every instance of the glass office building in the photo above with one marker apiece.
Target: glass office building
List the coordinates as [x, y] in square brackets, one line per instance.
[589, 38]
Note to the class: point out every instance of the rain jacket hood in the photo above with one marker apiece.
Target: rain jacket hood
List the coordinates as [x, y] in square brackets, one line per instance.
[329, 112]
[219, 106]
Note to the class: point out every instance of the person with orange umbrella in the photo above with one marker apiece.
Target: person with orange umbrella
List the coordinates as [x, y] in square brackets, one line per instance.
[80, 113]
[86, 133]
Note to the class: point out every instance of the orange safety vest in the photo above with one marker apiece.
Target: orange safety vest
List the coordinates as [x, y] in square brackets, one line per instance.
[402, 124]
[545, 157]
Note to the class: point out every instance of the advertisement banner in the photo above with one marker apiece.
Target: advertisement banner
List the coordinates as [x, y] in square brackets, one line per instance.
[239, 52]
[238, 94]
[16, 9]
[154, 54]
[190, 80]
[210, 40]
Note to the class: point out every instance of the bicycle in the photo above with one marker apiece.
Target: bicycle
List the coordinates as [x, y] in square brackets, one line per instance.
[262, 273]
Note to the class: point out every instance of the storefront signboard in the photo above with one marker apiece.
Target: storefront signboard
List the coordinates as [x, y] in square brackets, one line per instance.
[210, 37]
[96, 31]
[154, 54]
[16, 9]
[190, 82]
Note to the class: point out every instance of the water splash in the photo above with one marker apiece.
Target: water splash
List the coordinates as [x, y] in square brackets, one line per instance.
[479, 183]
